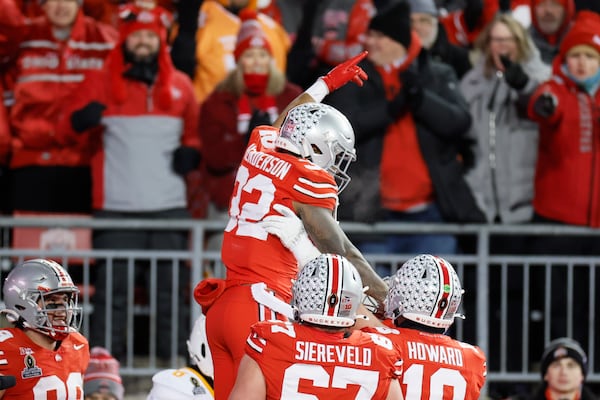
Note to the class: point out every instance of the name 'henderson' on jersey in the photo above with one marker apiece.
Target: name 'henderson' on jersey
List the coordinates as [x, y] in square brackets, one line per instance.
[267, 177]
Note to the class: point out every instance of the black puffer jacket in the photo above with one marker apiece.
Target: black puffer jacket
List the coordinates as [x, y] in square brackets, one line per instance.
[442, 119]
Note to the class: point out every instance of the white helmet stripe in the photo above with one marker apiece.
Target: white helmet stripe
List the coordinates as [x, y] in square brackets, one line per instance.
[446, 289]
[335, 285]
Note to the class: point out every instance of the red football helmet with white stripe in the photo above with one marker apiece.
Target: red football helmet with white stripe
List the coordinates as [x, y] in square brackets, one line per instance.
[327, 292]
[426, 290]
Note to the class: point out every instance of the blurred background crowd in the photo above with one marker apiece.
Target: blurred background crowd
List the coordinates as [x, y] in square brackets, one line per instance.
[475, 111]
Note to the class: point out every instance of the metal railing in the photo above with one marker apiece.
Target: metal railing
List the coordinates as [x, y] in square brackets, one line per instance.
[509, 301]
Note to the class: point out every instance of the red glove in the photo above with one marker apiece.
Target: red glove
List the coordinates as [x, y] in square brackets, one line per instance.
[345, 72]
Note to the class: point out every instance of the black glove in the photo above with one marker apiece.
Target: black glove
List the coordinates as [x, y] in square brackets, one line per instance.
[187, 15]
[183, 50]
[545, 105]
[398, 105]
[514, 74]
[183, 53]
[504, 6]
[185, 159]
[259, 117]
[472, 13]
[411, 93]
[87, 117]
[412, 85]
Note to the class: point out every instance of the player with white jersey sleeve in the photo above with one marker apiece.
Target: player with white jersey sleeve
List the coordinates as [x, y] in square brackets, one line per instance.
[43, 350]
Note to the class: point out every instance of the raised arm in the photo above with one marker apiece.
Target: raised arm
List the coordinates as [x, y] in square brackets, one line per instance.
[326, 236]
[336, 78]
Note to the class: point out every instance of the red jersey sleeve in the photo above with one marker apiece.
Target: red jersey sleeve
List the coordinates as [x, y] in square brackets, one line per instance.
[267, 177]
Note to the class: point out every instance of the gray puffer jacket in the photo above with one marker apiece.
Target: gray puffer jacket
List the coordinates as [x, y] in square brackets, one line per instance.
[504, 142]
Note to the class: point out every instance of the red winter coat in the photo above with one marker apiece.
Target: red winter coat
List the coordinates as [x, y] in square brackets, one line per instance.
[132, 151]
[567, 179]
[223, 147]
[47, 74]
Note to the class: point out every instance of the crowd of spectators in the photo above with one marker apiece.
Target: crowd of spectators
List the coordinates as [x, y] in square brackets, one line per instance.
[499, 52]
[479, 111]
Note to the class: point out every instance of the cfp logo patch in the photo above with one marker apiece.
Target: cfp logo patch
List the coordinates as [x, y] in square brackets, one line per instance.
[198, 389]
[31, 370]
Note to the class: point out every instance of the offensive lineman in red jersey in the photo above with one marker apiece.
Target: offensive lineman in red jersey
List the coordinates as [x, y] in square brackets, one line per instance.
[44, 350]
[423, 300]
[316, 356]
[295, 166]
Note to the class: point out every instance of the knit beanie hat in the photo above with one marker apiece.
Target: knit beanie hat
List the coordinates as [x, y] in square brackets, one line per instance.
[133, 18]
[585, 30]
[102, 374]
[423, 7]
[250, 34]
[394, 22]
[561, 348]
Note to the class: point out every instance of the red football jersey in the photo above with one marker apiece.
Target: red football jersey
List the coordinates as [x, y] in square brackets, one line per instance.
[267, 177]
[300, 361]
[437, 366]
[42, 373]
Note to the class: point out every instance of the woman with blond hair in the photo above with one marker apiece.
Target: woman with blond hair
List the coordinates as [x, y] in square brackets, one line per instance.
[504, 147]
[504, 140]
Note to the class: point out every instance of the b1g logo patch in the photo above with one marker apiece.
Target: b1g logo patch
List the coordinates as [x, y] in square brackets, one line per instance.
[31, 370]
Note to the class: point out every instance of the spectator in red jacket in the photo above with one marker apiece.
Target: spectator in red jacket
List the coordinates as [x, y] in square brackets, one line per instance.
[56, 52]
[567, 177]
[550, 21]
[566, 109]
[140, 117]
[254, 93]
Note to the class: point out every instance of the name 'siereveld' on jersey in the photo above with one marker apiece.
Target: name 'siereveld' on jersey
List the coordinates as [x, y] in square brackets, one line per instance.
[329, 353]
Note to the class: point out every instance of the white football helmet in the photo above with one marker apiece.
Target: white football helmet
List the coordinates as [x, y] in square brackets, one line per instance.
[321, 134]
[327, 292]
[198, 347]
[426, 290]
[27, 286]
[179, 384]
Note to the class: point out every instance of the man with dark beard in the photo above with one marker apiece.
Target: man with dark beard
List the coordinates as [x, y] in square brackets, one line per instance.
[138, 117]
